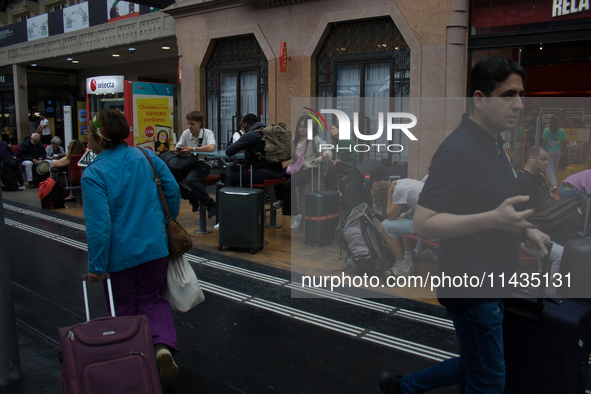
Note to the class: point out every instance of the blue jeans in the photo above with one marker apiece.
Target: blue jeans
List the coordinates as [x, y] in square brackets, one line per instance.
[481, 365]
[573, 192]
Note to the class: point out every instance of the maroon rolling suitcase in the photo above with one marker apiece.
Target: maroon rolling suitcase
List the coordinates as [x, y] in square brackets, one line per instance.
[108, 354]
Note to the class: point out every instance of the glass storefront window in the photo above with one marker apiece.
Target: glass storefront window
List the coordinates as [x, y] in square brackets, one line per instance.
[237, 84]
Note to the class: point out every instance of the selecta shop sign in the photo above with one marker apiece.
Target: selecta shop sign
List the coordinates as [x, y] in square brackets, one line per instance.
[104, 84]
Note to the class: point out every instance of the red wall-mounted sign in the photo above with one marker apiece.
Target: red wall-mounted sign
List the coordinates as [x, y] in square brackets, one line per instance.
[283, 58]
[180, 71]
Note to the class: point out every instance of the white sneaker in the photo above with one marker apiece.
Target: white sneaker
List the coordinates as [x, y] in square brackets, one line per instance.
[278, 204]
[216, 227]
[21, 188]
[295, 221]
[396, 270]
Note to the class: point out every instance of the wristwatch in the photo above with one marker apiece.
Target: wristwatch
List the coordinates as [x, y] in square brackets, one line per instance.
[193, 149]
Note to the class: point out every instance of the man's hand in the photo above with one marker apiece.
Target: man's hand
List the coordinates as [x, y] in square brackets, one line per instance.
[319, 159]
[506, 218]
[93, 278]
[183, 150]
[34, 161]
[534, 239]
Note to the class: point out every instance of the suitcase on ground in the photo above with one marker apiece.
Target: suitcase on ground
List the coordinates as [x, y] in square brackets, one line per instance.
[112, 355]
[576, 262]
[242, 217]
[547, 344]
[321, 215]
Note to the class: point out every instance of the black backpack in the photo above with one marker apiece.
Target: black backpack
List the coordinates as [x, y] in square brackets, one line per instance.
[359, 236]
[55, 199]
[8, 179]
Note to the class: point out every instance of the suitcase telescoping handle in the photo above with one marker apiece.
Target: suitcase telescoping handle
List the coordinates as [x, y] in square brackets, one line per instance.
[110, 290]
[312, 179]
[241, 175]
[546, 268]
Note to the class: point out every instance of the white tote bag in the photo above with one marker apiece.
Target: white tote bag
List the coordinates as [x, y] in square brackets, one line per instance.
[183, 291]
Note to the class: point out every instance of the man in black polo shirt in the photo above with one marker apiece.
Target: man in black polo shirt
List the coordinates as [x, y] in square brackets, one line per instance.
[530, 180]
[468, 202]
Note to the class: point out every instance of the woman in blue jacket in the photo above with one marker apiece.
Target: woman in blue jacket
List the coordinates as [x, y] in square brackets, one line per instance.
[126, 228]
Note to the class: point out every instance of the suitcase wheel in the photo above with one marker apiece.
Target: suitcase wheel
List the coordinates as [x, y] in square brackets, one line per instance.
[305, 242]
[219, 247]
[252, 251]
[316, 246]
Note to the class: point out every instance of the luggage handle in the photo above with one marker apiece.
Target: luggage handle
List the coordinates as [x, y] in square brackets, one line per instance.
[546, 268]
[240, 170]
[110, 290]
[312, 179]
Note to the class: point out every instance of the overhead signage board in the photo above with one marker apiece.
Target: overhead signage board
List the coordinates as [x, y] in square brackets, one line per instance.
[104, 84]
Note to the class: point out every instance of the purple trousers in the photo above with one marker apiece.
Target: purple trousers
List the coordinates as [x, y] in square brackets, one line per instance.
[139, 291]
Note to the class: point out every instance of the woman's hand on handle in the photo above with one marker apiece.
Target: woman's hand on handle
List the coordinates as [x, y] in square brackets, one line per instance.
[93, 278]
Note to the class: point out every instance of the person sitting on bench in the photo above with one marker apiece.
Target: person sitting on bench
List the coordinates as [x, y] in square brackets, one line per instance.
[197, 139]
[252, 143]
[394, 195]
[530, 182]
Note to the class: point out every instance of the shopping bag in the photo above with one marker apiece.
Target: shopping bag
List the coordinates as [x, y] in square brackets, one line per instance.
[184, 292]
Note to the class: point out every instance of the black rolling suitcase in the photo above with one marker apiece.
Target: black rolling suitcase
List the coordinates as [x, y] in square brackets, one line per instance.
[321, 215]
[546, 342]
[576, 266]
[242, 217]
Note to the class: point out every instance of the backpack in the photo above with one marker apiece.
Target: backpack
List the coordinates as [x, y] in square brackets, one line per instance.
[55, 199]
[359, 236]
[277, 139]
[356, 184]
[179, 165]
[8, 179]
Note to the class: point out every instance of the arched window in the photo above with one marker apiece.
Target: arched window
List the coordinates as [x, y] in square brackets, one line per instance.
[365, 59]
[237, 84]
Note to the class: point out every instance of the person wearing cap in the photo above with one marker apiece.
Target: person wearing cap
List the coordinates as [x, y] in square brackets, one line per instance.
[30, 152]
[8, 159]
[126, 228]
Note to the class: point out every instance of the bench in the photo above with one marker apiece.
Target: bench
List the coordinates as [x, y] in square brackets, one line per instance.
[208, 181]
[266, 188]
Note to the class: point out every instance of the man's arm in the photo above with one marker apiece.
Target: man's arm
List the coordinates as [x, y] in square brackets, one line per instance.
[431, 224]
[392, 210]
[205, 148]
[208, 142]
[243, 142]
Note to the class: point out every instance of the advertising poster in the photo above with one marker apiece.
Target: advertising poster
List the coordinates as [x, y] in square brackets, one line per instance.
[152, 114]
[76, 17]
[163, 140]
[37, 27]
[121, 9]
[81, 120]
[67, 125]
